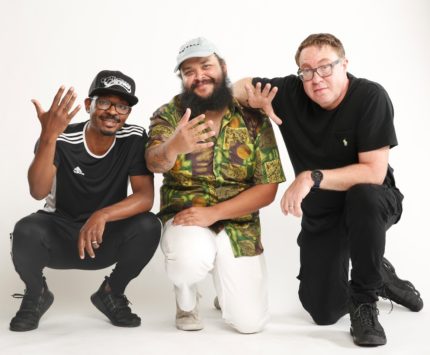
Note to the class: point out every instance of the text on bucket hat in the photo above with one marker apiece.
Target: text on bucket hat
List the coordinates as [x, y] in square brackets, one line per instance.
[114, 83]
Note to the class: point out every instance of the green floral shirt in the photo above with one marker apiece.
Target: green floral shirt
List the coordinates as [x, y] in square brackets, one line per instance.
[244, 154]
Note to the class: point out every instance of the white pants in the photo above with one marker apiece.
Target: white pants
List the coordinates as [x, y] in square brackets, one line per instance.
[192, 252]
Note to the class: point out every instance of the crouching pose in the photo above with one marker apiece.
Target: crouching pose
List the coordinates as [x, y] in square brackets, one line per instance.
[220, 165]
[88, 221]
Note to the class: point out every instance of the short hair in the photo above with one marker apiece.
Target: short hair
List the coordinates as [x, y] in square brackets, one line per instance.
[319, 40]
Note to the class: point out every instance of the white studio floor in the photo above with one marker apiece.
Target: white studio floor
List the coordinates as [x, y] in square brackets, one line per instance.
[78, 328]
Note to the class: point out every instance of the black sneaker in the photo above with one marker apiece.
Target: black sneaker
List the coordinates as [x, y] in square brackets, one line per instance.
[365, 327]
[31, 310]
[115, 307]
[399, 291]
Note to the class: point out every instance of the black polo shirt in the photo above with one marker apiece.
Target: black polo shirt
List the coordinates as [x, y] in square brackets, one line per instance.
[317, 138]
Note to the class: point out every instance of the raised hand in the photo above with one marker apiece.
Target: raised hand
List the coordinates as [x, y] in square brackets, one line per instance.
[190, 136]
[55, 120]
[262, 99]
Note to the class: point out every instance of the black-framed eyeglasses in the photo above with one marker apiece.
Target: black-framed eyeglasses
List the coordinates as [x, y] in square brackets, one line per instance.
[323, 71]
[105, 104]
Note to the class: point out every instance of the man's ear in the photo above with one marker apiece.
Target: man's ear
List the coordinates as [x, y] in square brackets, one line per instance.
[87, 104]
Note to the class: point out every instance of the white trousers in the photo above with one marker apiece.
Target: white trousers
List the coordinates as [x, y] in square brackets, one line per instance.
[192, 252]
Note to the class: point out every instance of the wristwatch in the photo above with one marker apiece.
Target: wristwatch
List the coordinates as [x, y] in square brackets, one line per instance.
[316, 176]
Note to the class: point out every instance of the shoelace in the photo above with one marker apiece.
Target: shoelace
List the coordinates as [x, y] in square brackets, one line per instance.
[183, 314]
[28, 306]
[399, 282]
[119, 305]
[18, 295]
[365, 312]
[389, 299]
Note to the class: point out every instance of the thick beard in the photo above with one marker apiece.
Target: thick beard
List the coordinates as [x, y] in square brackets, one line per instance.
[221, 97]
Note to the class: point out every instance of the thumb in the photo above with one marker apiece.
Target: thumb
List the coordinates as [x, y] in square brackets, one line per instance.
[185, 118]
[274, 117]
[38, 107]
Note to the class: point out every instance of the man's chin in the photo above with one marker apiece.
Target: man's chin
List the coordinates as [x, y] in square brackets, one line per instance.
[203, 94]
[109, 133]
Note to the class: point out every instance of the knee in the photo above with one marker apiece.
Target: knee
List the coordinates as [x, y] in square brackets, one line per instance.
[25, 233]
[326, 317]
[322, 312]
[149, 226]
[249, 323]
[363, 198]
[186, 269]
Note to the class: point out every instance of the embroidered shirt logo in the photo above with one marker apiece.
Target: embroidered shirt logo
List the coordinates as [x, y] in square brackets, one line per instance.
[345, 142]
[78, 171]
[114, 81]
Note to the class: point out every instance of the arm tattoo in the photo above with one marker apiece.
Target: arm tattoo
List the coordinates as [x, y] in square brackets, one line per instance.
[158, 159]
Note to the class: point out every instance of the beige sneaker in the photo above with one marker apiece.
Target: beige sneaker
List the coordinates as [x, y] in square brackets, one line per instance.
[188, 320]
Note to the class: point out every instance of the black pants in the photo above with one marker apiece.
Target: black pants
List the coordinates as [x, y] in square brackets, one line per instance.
[47, 240]
[350, 226]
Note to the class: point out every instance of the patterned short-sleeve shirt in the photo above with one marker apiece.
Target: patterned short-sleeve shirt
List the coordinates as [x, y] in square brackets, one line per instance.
[244, 154]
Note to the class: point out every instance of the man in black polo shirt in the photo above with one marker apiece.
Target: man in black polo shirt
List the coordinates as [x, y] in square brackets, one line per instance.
[338, 130]
[88, 221]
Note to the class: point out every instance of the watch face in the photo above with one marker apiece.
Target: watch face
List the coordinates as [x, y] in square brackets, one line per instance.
[316, 176]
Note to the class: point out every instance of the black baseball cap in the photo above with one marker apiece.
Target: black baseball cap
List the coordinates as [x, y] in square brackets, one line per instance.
[114, 83]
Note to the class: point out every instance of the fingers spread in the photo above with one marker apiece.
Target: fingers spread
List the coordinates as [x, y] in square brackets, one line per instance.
[185, 118]
[38, 107]
[57, 97]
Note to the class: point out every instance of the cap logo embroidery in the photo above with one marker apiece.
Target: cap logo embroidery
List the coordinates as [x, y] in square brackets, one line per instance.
[188, 46]
[114, 81]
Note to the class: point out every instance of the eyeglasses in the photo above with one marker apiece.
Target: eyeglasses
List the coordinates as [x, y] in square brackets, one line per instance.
[105, 104]
[323, 71]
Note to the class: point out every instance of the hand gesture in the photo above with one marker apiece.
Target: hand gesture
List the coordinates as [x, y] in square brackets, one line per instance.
[292, 200]
[91, 234]
[55, 121]
[195, 216]
[262, 99]
[190, 136]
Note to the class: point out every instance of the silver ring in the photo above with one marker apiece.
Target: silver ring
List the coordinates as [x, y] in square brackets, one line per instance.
[94, 242]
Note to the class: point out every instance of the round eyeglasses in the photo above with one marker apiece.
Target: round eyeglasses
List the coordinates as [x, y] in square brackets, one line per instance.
[323, 71]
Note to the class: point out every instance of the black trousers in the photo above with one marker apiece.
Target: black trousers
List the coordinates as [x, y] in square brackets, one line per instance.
[47, 240]
[351, 226]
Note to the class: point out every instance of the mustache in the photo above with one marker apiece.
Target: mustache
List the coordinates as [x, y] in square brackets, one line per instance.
[110, 117]
[198, 82]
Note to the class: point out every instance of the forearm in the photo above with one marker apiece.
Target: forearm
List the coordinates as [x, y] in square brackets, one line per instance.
[342, 179]
[239, 90]
[130, 206]
[162, 157]
[42, 169]
[248, 201]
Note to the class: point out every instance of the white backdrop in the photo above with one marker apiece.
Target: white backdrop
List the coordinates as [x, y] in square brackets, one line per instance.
[48, 43]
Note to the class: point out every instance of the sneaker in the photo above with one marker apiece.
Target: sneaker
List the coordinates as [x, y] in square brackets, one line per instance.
[189, 320]
[115, 307]
[399, 291]
[216, 303]
[365, 327]
[31, 310]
